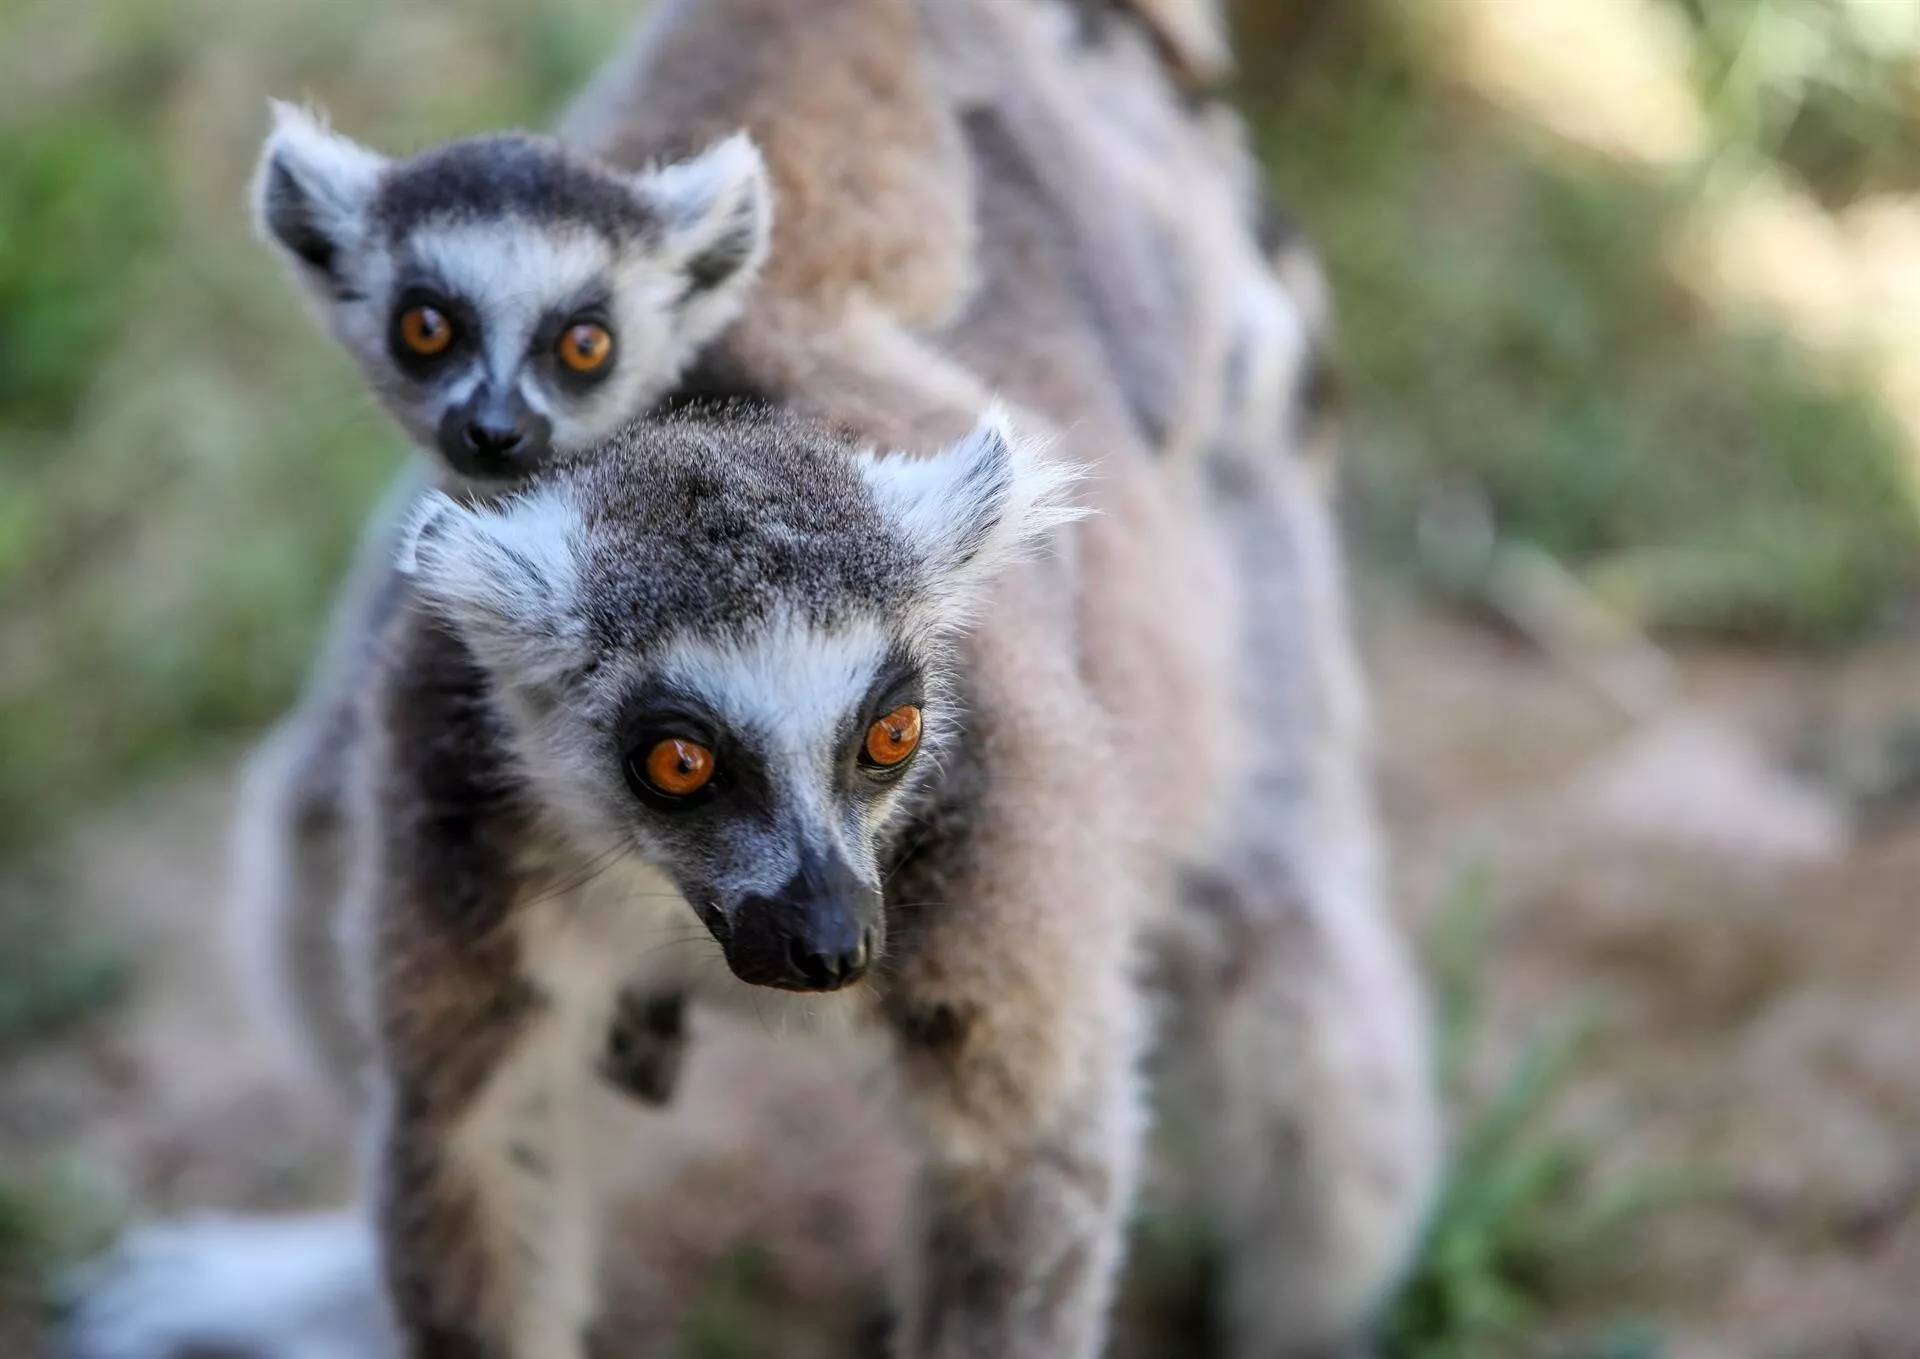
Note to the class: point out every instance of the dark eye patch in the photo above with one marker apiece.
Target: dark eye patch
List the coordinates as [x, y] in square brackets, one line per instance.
[897, 683]
[589, 305]
[457, 310]
[739, 786]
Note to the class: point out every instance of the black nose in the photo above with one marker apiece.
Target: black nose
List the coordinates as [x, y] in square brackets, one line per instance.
[492, 441]
[829, 969]
[821, 931]
[489, 435]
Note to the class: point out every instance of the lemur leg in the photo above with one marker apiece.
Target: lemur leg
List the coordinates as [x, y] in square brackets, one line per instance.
[291, 860]
[493, 1003]
[293, 846]
[1019, 1030]
[1303, 1039]
[490, 1243]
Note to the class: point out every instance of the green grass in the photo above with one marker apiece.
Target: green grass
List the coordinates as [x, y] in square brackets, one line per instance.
[1529, 1230]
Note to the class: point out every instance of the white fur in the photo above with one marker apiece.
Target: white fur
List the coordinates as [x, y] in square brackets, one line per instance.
[512, 275]
[723, 189]
[504, 576]
[271, 1288]
[975, 509]
[337, 174]
[708, 194]
[794, 687]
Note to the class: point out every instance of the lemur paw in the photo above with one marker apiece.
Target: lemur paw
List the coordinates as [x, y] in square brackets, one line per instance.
[250, 1288]
[646, 1046]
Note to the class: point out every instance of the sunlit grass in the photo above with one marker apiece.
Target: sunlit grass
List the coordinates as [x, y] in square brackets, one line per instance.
[1528, 1228]
[1512, 334]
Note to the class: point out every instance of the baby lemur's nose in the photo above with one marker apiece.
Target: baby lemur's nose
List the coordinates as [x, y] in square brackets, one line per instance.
[492, 441]
[493, 434]
[830, 969]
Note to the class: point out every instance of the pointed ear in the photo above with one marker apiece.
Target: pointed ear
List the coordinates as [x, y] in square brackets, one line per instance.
[975, 509]
[716, 215]
[506, 578]
[311, 192]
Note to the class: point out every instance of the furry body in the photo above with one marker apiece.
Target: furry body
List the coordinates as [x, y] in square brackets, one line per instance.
[1162, 766]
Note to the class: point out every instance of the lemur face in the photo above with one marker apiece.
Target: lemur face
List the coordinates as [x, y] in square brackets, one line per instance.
[510, 299]
[728, 645]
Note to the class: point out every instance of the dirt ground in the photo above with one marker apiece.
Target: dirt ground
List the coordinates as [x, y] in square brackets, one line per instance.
[1730, 881]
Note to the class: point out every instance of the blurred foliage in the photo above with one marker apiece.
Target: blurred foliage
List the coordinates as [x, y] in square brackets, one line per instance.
[186, 458]
[1827, 88]
[1527, 1226]
[1510, 331]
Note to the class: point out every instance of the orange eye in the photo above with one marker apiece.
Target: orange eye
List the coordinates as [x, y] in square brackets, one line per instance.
[894, 737]
[585, 347]
[425, 331]
[679, 768]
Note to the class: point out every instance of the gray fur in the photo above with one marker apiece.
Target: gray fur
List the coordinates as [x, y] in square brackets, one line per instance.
[514, 238]
[1094, 793]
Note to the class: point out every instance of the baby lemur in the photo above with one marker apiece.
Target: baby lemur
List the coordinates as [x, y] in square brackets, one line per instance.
[508, 297]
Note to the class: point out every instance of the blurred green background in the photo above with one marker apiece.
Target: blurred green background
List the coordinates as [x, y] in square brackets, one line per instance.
[1538, 343]
[186, 458]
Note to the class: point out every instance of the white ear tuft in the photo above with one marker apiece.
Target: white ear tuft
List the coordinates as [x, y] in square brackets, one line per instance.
[716, 211]
[506, 578]
[975, 509]
[311, 191]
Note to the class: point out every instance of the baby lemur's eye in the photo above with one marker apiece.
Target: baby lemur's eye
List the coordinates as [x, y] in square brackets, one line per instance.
[674, 767]
[892, 739]
[425, 331]
[586, 346]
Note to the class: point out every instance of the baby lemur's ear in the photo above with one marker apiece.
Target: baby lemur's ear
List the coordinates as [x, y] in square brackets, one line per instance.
[505, 577]
[310, 194]
[716, 216]
[971, 511]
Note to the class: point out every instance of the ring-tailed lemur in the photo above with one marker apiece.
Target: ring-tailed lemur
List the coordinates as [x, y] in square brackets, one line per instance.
[509, 297]
[1165, 752]
[715, 674]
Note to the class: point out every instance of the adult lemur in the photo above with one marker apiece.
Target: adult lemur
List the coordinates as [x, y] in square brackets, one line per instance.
[1154, 764]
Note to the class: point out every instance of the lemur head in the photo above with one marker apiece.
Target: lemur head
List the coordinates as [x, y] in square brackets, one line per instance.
[509, 298]
[729, 645]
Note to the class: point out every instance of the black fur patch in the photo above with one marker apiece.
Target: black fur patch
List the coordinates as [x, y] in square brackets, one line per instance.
[290, 216]
[717, 385]
[721, 260]
[444, 725]
[647, 1046]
